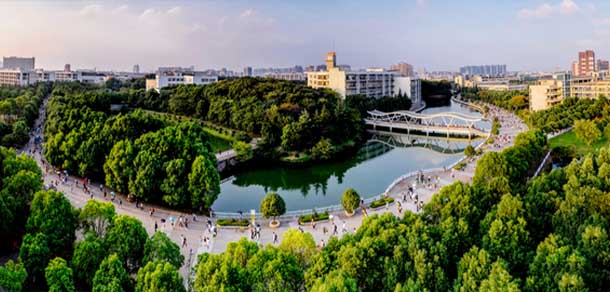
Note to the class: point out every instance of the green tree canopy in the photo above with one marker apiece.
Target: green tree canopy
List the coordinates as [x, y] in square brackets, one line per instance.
[587, 131]
[159, 276]
[272, 206]
[350, 200]
[96, 216]
[111, 276]
[127, 238]
[52, 214]
[59, 276]
[12, 276]
[160, 247]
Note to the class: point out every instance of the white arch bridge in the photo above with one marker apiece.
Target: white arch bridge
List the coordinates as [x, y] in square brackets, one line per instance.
[445, 124]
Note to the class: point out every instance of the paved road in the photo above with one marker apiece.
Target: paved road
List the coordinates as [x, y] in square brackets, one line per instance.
[197, 229]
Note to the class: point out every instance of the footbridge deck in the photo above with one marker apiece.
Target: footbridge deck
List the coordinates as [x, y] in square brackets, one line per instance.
[446, 123]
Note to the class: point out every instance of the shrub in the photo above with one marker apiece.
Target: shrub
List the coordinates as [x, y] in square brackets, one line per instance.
[315, 216]
[232, 222]
[469, 151]
[381, 202]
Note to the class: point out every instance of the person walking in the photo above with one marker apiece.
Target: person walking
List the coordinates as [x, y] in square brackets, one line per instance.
[274, 237]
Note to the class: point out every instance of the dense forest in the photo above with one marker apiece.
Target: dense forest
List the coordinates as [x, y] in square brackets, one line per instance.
[563, 115]
[136, 153]
[18, 110]
[513, 100]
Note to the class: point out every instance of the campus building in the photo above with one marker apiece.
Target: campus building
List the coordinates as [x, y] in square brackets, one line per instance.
[26, 64]
[545, 94]
[484, 70]
[375, 83]
[168, 76]
[17, 77]
[404, 69]
[590, 87]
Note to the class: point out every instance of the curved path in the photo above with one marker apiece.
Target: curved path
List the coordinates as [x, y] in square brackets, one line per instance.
[197, 230]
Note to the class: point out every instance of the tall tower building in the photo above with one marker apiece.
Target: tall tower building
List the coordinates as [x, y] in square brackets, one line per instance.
[586, 63]
[136, 68]
[331, 60]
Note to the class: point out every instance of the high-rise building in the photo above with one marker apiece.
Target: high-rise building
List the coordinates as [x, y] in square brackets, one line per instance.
[136, 68]
[405, 69]
[331, 60]
[67, 68]
[484, 70]
[18, 63]
[603, 65]
[248, 71]
[585, 66]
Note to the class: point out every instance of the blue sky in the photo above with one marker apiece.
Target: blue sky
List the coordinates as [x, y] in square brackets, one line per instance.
[435, 34]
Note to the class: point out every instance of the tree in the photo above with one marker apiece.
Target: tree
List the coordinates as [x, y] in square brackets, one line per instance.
[291, 136]
[160, 247]
[127, 238]
[88, 254]
[243, 151]
[336, 281]
[96, 216]
[273, 206]
[52, 215]
[350, 200]
[499, 280]
[490, 165]
[12, 276]
[118, 166]
[607, 131]
[273, 269]
[323, 150]
[300, 244]
[59, 276]
[469, 151]
[111, 275]
[473, 268]
[204, 182]
[35, 255]
[159, 276]
[173, 184]
[587, 131]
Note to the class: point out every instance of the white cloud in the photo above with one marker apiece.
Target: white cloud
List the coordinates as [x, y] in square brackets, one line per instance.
[248, 13]
[91, 10]
[565, 7]
[174, 11]
[568, 7]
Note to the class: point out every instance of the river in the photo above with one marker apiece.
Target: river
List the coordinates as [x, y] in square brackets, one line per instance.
[380, 161]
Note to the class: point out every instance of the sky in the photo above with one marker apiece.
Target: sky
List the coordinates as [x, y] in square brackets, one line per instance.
[533, 35]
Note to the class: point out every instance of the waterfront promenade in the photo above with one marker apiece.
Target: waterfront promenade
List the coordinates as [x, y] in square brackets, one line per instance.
[197, 229]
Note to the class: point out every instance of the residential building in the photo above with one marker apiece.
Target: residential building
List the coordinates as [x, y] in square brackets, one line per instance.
[504, 85]
[26, 64]
[136, 68]
[585, 66]
[168, 76]
[404, 68]
[484, 70]
[372, 82]
[545, 94]
[17, 77]
[603, 65]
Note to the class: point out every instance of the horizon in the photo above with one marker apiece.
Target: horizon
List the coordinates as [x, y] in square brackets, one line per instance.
[115, 35]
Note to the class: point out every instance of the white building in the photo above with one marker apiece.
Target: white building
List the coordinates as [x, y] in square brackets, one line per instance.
[17, 77]
[375, 83]
[176, 76]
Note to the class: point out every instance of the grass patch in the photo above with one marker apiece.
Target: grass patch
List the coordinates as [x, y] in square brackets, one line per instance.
[233, 222]
[316, 217]
[298, 157]
[570, 139]
[381, 202]
[219, 144]
[460, 166]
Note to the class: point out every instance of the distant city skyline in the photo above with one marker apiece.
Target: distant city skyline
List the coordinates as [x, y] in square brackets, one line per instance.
[533, 35]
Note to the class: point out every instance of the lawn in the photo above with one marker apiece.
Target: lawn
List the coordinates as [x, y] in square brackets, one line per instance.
[569, 138]
[219, 144]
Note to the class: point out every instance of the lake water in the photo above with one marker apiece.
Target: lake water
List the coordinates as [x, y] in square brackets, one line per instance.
[378, 163]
